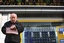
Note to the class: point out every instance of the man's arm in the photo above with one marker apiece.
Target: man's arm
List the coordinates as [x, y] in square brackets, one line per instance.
[19, 27]
[3, 29]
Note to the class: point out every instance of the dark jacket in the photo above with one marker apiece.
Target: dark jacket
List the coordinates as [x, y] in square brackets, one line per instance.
[12, 37]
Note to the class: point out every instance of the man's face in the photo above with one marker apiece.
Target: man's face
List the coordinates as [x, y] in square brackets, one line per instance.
[13, 18]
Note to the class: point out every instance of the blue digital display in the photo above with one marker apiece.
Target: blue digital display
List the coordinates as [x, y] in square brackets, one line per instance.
[62, 41]
[61, 30]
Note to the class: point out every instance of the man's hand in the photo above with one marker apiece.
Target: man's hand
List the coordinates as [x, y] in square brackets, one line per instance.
[13, 27]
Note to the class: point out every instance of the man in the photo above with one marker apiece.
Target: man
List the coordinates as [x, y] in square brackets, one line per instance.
[12, 24]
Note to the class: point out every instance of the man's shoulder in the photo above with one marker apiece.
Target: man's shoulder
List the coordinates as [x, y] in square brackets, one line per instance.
[7, 22]
[19, 22]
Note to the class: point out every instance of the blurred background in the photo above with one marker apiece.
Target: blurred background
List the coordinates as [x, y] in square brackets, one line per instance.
[32, 2]
[43, 20]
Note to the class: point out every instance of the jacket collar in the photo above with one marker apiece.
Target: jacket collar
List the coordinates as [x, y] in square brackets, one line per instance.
[14, 23]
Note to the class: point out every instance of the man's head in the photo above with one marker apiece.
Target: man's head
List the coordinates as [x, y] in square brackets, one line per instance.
[13, 17]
